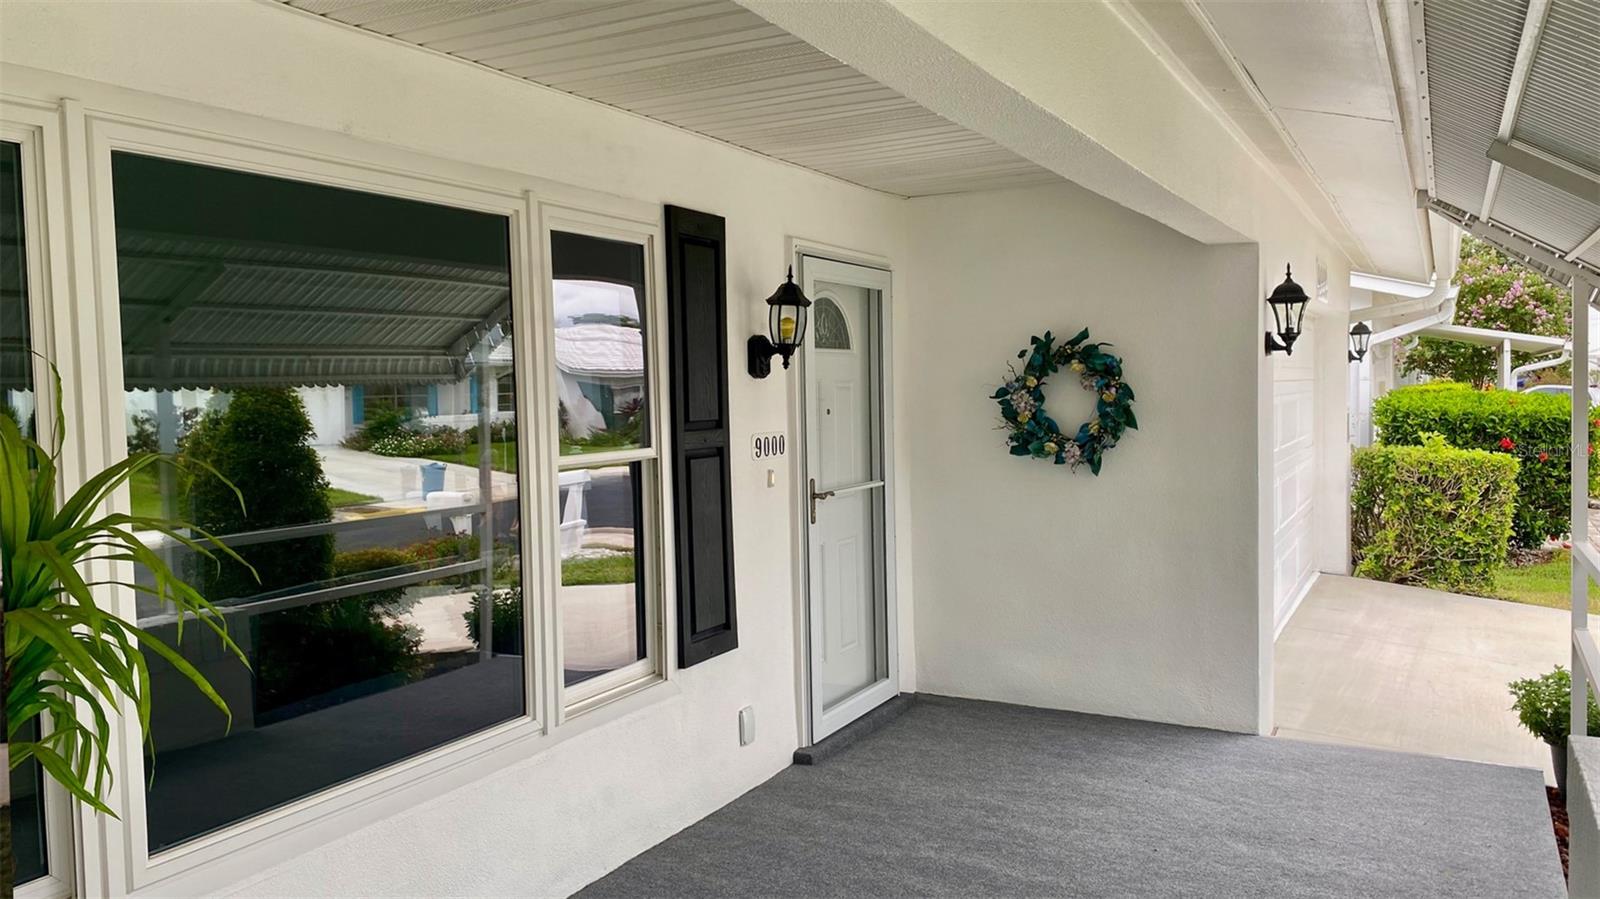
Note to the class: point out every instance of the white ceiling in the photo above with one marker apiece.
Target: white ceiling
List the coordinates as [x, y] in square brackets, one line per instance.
[1323, 71]
[712, 67]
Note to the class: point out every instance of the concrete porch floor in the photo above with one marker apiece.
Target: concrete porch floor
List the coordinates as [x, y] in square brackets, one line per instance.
[1366, 663]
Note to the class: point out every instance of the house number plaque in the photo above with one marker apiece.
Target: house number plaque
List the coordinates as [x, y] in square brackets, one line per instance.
[769, 445]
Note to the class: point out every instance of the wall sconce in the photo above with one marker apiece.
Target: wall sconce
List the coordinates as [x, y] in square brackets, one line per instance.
[786, 328]
[1360, 336]
[1288, 302]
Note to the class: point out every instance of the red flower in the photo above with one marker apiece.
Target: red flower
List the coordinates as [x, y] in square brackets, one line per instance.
[1506, 443]
[1544, 457]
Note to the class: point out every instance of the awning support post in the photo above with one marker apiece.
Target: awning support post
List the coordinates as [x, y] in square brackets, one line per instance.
[1508, 381]
[1580, 497]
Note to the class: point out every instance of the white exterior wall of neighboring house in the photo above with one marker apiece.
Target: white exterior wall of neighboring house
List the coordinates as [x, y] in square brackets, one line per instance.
[1155, 599]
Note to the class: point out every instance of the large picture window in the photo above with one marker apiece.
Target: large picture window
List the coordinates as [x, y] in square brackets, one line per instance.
[339, 356]
[609, 466]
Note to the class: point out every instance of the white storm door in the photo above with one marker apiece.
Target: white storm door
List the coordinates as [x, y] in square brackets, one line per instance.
[851, 618]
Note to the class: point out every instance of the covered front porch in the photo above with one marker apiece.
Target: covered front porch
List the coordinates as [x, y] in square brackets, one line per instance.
[586, 560]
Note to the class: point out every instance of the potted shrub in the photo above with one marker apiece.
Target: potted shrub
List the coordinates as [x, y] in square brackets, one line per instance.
[1544, 706]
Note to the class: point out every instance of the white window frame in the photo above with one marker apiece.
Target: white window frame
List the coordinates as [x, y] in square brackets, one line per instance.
[109, 856]
[35, 129]
[613, 685]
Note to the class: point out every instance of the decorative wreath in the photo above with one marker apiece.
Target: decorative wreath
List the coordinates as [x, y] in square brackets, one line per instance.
[1032, 432]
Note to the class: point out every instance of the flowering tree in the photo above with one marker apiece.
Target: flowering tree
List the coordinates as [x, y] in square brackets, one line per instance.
[1499, 294]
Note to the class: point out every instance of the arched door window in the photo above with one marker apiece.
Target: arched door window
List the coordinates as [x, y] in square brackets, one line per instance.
[832, 330]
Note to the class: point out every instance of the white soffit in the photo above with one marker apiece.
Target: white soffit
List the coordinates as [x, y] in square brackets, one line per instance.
[1323, 71]
[1524, 76]
[712, 67]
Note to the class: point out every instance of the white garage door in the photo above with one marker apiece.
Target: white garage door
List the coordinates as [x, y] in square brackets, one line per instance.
[1293, 475]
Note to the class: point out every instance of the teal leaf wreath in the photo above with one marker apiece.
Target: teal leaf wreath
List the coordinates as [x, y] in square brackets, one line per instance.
[1031, 430]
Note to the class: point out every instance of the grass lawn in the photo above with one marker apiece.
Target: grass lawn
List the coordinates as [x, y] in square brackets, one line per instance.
[502, 453]
[1543, 584]
[146, 490]
[616, 569]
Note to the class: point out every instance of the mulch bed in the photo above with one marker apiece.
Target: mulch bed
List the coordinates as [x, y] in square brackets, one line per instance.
[1522, 558]
[1558, 820]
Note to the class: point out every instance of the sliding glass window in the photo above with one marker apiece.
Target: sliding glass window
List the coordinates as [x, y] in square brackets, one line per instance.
[344, 359]
[17, 403]
[608, 466]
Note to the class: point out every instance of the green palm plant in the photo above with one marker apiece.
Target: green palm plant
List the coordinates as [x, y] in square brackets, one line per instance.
[66, 658]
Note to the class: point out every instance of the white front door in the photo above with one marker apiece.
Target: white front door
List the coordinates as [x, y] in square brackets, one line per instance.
[851, 634]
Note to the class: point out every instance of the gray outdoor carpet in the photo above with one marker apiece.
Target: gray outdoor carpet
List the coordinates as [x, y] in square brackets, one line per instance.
[964, 798]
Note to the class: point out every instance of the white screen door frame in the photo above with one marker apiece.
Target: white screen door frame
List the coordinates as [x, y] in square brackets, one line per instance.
[871, 490]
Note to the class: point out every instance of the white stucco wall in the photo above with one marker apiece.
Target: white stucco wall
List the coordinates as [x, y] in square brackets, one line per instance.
[1132, 593]
[1080, 89]
[549, 823]
[1140, 593]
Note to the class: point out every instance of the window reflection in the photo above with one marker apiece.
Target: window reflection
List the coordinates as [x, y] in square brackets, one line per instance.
[16, 403]
[602, 587]
[600, 356]
[338, 356]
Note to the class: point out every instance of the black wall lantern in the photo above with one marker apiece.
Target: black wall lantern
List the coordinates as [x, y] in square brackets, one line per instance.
[786, 328]
[1288, 302]
[1360, 336]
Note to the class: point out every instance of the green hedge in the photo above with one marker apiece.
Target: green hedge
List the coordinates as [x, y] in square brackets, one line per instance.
[1432, 515]
[1535, 428]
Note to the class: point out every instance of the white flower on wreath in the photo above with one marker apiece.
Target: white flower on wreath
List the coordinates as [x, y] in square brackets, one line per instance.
[1022, 401]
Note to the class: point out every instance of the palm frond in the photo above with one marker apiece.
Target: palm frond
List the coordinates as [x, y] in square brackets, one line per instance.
[70, 662]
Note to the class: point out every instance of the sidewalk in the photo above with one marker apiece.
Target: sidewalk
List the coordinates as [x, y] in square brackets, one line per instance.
[399, 479]
[1367, 663]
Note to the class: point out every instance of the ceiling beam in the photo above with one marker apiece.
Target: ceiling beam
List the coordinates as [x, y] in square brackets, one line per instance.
[1527, 49]
[1584, 245]
[1547, 167]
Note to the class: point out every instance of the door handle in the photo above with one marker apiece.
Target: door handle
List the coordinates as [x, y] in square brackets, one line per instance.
[815, 496]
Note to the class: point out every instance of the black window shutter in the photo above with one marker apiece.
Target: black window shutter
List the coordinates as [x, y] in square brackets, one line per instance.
[697, 312]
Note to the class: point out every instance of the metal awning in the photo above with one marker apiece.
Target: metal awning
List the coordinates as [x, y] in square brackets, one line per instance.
[1511, 104]
[220, 314]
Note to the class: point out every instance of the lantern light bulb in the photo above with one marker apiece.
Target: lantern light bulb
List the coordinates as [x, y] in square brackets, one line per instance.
[786, 329]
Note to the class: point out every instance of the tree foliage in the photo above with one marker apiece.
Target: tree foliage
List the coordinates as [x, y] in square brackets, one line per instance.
[1499, 294]
[262, 443]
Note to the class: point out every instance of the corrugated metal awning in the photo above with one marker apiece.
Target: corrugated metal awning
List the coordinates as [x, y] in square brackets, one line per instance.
[217, 314]
[1512, 108]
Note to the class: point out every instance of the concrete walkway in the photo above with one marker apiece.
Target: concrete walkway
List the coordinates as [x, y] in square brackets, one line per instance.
[398, 480]
[1366, 663]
